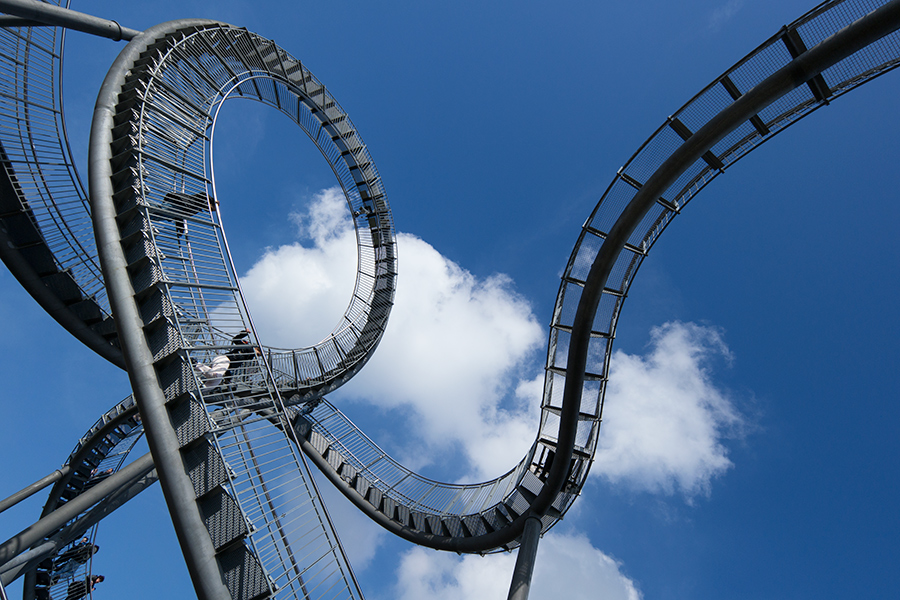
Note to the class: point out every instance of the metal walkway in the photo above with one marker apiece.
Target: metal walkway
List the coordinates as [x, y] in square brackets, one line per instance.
[98, 456]
[490, 515]
[161, 212]
[46, 237]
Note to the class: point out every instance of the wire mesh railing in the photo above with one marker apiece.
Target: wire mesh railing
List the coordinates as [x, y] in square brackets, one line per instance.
[197, 326]
[810, 29]
[185, 255]
[36, 156]
[406, 487]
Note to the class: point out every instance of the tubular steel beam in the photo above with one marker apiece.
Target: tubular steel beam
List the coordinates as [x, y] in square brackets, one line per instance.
[866, 30]
[30, 559]
[51, 523]
[524, 569]
[17, 566]
[196, 545]
[34, 488]
[7, 21]
[48, 14]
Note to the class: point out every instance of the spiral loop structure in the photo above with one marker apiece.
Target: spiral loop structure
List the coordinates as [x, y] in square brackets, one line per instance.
[169, 283]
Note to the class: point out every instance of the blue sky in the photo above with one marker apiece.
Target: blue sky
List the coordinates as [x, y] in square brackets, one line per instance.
[496, 129]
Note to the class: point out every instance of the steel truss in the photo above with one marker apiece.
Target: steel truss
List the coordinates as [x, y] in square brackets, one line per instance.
[177, 302]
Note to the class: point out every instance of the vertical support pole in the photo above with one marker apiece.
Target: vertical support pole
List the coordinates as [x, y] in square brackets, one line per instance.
[521, 579]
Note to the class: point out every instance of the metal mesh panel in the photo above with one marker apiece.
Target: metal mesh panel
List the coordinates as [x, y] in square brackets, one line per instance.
[223, 518]
[188, 256]
[190, 421]
[283, 541]
[32, 136]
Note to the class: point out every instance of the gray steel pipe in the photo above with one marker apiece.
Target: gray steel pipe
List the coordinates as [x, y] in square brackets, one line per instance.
[30, 559]
[48, 14]
[34, 488]
[7, 21]
[11, 570]
[48, 525]
[524, 569]
[178, 490]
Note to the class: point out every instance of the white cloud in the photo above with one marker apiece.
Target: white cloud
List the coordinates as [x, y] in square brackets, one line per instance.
[724, 13]
[664, 418]
[297, 294]
[567, 566]
[457, 344]
[454, 346]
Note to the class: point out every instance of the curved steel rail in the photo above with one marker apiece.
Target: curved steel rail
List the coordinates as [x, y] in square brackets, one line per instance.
[104, 446]
[827, 52]
[771, 88]
[46, 238]
[236, 487]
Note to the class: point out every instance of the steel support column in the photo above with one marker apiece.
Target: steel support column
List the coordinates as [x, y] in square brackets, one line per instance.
[178, 490]
[30, 559]
[58, 518]
[16, 566]
[521, 579]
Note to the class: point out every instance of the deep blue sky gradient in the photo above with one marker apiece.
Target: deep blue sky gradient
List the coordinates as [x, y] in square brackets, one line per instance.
[496, 128]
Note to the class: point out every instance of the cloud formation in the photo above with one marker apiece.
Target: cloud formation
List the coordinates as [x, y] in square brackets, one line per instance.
[567, 566]
[459, 373]
[454, 346]
[664, 418]
[460, 364]
[724, 13]
[298, 293]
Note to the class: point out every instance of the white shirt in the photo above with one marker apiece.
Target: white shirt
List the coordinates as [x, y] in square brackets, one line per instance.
[211, 374]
